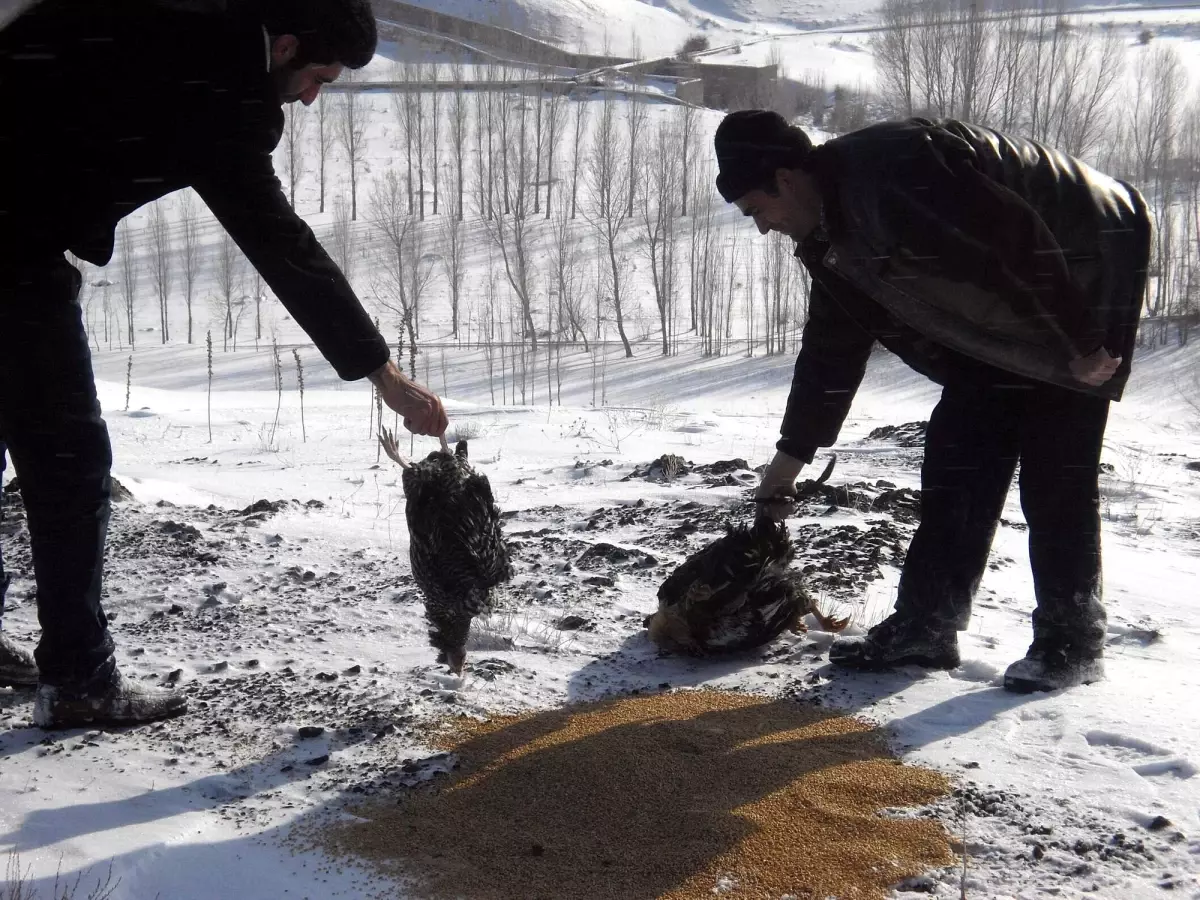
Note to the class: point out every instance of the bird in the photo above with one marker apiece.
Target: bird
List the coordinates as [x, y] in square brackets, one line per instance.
[734, 594]
[456, 546]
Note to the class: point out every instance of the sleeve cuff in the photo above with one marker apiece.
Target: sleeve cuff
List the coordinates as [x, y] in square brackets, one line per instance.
[796, 449]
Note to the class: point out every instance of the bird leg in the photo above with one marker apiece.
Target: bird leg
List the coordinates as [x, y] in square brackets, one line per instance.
[388, 441]
[828, 623]
[445, 446]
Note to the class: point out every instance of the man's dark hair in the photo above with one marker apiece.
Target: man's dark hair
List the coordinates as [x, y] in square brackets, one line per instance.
[751, 144]
[329, 31]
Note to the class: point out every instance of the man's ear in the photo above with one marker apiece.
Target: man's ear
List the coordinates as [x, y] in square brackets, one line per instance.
[785, 182]
[283, 50]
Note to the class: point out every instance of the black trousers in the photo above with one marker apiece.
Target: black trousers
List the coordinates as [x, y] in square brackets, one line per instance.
[50, 420]
[978, 432]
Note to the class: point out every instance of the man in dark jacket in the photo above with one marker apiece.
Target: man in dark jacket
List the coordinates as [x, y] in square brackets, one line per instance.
[1010, 274]
[108, 105]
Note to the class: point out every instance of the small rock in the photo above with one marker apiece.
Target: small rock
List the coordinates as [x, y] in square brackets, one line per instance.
[220, 666]
[920, 884]
[353, 670]
[175, 609]
[327, 676]
[311, 731]
[317, 760]
[574, 623]
[174, 675]
[1158, 823]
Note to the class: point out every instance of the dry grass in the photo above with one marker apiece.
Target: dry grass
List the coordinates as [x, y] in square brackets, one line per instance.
[674, 797]
[16, 885]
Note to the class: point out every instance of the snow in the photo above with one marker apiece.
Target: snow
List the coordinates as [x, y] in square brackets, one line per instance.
[194, 807]
[268, 632]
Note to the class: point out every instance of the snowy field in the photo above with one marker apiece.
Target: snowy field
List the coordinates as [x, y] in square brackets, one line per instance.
[300, 611]
[264, 571]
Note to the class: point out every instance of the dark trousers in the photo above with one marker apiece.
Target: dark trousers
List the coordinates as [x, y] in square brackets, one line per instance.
[50, 420]
[977, 434]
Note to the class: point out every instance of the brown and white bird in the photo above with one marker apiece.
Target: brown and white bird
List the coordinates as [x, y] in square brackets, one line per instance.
[456, 546]
[734, 594]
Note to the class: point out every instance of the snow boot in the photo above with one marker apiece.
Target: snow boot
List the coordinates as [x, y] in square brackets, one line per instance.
[117, 701]
[899, 640]
[1051, 667]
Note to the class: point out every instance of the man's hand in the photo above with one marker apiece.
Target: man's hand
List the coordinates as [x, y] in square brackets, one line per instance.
[422, 410]
[1096, 368]
[777, 486]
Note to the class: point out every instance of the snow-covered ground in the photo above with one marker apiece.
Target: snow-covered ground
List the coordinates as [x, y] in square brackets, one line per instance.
[266, 575]
[301, 612]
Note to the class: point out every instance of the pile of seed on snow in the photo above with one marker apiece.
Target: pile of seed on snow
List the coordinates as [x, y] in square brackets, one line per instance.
[675, 796]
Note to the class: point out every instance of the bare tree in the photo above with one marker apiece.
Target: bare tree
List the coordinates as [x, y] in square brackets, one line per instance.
[635, 121]
[342, 236]
[435, 129]
[608, 174]
[458, 130]
[893, 48]
[510, 229]
[555, 120]
[659, 208]
[193, 257]
[404, 271]
[294, 120]
[540, 126]
[160, 268]
[578, 129]
[687, 141]
[325, 137]
[258, 291]
[129, 277]
[452, 265]
[1159, 82]
[483, 139]
[404, 105]
[420, 137]
[228, 274]
[567, 268]
[353, 112]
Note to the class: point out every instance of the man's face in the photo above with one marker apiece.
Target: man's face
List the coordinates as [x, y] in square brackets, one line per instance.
[770, 213]
[295, 82]
[794, 210]
[305, 83]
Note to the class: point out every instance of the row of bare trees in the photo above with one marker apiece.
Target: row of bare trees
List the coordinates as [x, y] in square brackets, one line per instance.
[172, 251]
[1033, 69]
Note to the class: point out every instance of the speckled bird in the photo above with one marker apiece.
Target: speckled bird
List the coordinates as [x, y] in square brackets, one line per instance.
[734, 594]
[456, 546]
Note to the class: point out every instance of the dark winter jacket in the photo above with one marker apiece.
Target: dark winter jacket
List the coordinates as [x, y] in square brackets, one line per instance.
[110, 104]
[964, 251]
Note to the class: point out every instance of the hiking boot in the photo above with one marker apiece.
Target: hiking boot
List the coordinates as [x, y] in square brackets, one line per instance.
[899, 640]
[1052, 667]
[116, 702]
[16, 664]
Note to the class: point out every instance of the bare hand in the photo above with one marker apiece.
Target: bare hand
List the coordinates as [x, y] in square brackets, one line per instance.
[1096, 368]
[778, 487]
[422, 410]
